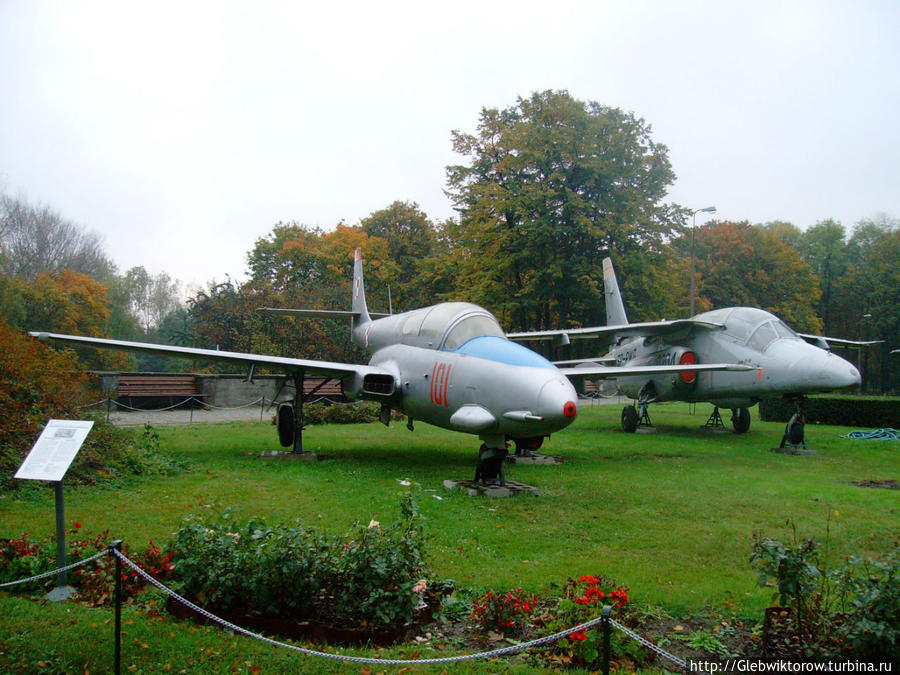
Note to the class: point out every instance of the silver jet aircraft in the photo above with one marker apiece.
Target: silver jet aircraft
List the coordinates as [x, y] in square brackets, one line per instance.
[778, 360]
[449, 365]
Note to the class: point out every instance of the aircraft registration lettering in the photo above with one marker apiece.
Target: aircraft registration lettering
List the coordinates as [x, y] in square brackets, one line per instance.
[440, 381]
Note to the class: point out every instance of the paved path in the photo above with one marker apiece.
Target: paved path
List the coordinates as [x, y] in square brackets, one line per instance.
[179, 416]
[183, 415]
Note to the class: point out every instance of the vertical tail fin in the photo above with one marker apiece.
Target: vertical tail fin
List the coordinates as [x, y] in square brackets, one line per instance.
[358, 304]
[615, 310]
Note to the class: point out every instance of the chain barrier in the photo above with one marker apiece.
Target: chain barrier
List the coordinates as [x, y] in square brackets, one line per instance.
[236, 407]
[52, 573]
[494, 653]
[659, 651]
[358, 659]
[188, 400]
[92, 405]
[171, 407]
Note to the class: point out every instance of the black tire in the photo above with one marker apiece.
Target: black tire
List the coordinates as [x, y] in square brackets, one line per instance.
[740, 420]
[286, 427]
[526, 445]
[629, 419]
[795, 433]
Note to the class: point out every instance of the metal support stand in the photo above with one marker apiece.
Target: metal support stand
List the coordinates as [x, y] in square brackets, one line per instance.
[117, 658]
[62, 591]
[644, 419]
[62, 580]
[298, 412]
[715, 420]
[607, 629]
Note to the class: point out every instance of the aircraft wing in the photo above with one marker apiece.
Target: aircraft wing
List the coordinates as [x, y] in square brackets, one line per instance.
[609, 333]
[317, 313]
[322, 368]
[825, 342]
[604, 372]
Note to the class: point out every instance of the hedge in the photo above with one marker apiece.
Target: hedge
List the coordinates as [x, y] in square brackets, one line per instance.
[844, 411]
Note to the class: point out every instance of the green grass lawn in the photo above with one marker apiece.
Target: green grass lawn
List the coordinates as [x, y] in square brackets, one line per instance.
[671, 514]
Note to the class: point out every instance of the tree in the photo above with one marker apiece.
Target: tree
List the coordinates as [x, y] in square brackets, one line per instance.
[750, 265]
[150, 298]
[38, 383]
[867, 298]
[71, 302]
[824, 247]
[410, 238]
[38, 239]
[552, 185]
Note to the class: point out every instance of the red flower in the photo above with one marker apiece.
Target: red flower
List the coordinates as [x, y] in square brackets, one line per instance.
[579, 636]
[77, 525]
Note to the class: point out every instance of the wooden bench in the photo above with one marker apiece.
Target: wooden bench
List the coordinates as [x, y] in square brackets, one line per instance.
[331, 389]
[590, 389]
[158, 386]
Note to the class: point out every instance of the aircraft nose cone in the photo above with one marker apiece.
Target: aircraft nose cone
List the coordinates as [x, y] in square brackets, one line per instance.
[556, 402]
[825, 372]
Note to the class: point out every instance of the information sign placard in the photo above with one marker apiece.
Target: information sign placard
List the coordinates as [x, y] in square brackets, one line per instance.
[54, 450]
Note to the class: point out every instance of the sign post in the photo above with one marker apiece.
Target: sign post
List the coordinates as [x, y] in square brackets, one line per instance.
[49, 459]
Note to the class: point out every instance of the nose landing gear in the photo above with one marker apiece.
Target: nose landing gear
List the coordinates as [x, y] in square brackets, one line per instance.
[490, 465]
[795, 432]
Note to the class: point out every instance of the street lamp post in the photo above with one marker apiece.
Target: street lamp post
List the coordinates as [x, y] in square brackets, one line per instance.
[706, 209]
[867, 317]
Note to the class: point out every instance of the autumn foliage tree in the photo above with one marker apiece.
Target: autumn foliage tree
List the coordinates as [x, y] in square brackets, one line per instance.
[742, 264]
[38, 383]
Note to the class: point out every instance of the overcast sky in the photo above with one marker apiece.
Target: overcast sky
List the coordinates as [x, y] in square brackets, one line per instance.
[184, 131]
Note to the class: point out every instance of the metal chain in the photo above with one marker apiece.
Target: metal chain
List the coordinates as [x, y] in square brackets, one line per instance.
[236, 407]
[91, 405]
[358, 659]
[171, 407]
[539, 642]
[649, 645]
[58, 571]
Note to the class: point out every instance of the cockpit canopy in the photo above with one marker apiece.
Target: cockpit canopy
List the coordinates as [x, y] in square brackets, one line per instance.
[445, 326]
[757, 327]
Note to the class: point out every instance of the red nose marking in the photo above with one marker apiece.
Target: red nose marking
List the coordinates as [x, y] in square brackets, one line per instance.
[570, 409]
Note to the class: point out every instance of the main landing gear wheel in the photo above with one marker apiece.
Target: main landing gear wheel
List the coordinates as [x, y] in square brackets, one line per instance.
[525, 446]
[630, 419]
[740, 420]
[286, 425]
[490, 466]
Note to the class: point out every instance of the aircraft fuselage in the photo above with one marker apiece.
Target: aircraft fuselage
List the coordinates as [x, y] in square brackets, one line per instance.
[782, 363]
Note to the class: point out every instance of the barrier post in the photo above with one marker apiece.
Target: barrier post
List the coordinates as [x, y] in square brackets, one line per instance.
[117, 659]
[606, 638]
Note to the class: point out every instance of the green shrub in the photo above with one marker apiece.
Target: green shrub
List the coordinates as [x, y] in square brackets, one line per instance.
[371, 576]
[845, 411]
[853, 611]
[340, 413]
[872, 626]
[95, 582]
[507, 612]
[582, 600]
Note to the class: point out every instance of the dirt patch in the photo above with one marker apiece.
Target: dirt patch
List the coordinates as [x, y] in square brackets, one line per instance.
[888, 484]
